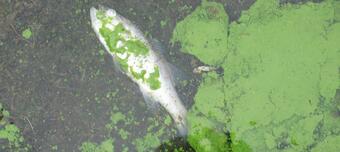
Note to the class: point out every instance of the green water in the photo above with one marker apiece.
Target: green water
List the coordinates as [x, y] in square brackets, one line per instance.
[281, 72]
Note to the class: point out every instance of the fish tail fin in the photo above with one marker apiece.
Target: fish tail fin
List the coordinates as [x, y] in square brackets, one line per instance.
[176, 75]
[182, 128]
[179, 118]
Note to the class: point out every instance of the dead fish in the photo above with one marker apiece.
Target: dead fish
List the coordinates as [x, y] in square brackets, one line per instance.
[202, 69]
[205, 69]
[134, 55]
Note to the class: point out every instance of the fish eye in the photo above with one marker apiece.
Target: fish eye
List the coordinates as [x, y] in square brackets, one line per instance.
[111, 13]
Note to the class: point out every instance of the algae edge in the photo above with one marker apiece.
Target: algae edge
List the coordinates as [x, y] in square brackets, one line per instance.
[204, 32]
[281, 59]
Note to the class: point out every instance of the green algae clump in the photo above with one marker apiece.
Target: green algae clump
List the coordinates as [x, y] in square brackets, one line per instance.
[202, 135]
[27, 33]
[279, 83]
[153, 80]
[211, 89]
[112, 37]
[203, 33]
[284, 67]
[105, 146]
[147, 143]
[115, 118]
[10, 133]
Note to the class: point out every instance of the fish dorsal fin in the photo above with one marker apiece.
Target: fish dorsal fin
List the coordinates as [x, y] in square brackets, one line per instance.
[117, 67]
[176, 75]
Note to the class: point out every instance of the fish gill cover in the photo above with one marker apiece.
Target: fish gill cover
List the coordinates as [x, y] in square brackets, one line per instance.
[281, 74]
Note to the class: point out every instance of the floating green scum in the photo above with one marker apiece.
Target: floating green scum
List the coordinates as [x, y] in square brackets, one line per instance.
[280, 90]
[137, 59]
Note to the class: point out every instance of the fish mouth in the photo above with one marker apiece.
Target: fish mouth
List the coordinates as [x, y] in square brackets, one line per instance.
[93, 12]
[182, 129]
[105, 9]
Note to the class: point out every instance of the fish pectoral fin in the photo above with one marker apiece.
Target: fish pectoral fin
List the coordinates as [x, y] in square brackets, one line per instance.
[157, 46]
[117, 67]
[176, 75]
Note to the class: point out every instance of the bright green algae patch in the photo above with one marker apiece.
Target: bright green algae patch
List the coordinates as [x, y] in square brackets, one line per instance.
[153, 80]
[10, 133]
[279, 83]
[203, 33]
[285, 66]
[105, 146]
[149, 138]
[27, 33]
[208, 121]
[112, 37]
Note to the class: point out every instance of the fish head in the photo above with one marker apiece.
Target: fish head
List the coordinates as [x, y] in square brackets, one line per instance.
[103, 15]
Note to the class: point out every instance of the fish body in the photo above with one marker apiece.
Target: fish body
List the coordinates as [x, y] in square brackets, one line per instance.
[138, 60]
[203, 69]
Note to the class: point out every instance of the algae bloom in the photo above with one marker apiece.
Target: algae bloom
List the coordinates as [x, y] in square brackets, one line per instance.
[281, 75]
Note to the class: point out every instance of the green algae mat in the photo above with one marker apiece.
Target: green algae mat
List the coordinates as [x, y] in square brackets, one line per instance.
[281, 76]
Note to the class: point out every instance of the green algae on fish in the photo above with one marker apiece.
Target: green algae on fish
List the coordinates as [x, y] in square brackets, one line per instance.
[279, 81]
[139, 60]
[124, 46]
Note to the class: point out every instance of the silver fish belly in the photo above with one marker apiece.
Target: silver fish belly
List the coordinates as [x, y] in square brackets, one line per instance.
[137, 59]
